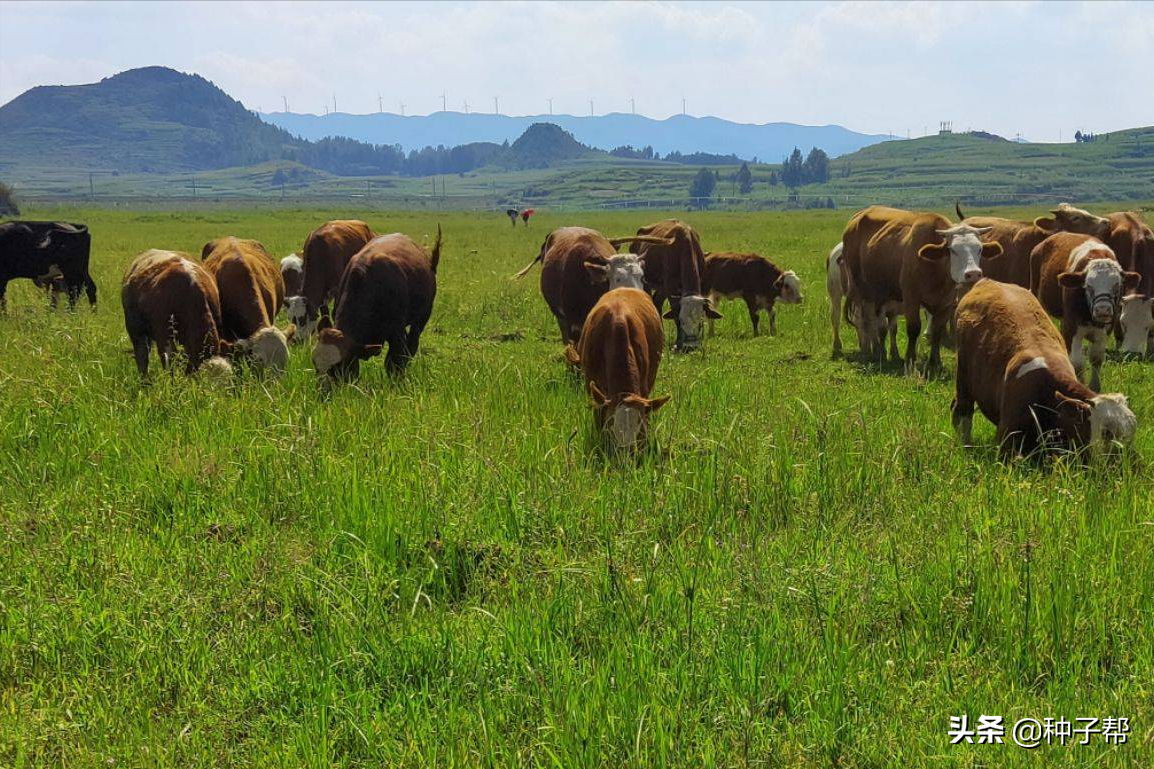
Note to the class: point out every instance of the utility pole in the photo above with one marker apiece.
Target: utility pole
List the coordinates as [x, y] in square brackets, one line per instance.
[368, 188]
[91, 186]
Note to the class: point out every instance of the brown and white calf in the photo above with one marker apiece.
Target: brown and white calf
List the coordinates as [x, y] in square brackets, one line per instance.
[385, 297]
[292, 272]
[674, 272]
[326, 251]
[578, 265]
[251, 294]
[751, 277]
[168, 299]
[1078, 279]
[1013, 365]
[917, 259]
[619, 352]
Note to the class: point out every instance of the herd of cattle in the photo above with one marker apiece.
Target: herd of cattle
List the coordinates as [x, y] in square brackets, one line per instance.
[990, 283]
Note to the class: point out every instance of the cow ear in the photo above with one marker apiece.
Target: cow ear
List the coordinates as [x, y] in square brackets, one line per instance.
[1071, 406]
[656, 403]
[710, 312]
[1047, 223]
[324, 322]
[572, 357]
[1072, 279]
[670, 314]
[600, 272]
[932, 251]
[371, 350]
[1130, 281]
[991, 250]
[599, 398]
[207, 249]
[780, 282]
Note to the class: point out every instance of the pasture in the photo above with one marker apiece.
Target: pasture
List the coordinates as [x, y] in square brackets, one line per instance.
[806, 571]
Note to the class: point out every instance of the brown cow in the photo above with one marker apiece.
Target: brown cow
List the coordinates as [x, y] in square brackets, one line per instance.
[1078, 279]
[620, 349]
[674, 272]
[901, 256]
[751, 277]
[1067, 218]
[327, 250]
[1013, 364]
[1017, 240]
[385, 297]
[292, 272]
[169, 298]
[837, 285]
[578, 265]
[251, 294]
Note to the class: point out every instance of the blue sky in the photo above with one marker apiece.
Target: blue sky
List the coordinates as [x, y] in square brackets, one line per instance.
[1009, 67]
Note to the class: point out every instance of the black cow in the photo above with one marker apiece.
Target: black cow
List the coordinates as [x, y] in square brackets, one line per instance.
[51, 253]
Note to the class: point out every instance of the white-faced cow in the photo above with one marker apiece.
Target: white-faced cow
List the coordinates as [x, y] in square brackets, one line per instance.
[385, 297]
[1077, 279]
[1013, 365]
[251, 294]
[619, 352]
[292, 272]
[918, 259]
[326, 251]
[753, 278]
[168, 299]
[578, 265]
[674, 272]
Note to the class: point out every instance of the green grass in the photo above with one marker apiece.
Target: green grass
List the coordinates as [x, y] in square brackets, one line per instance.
[440, 572]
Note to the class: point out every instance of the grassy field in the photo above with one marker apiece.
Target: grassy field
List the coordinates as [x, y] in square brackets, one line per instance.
[441, 572]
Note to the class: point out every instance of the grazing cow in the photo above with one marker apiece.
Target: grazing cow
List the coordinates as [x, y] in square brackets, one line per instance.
[837, 285]
[619, 352]
[1132, 242]
[292, 273]
[327, 250]
[918, 259]
[758, 281]
[1013, 364]
[251, 294]
[674, 272]
[385, 297]
[169, 298]
[1078, 279]
[578, 265]
[40, 251]
[1017, 240]
[1136, 325]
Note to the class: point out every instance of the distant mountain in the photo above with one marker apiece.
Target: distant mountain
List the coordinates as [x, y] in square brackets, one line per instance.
[769, 142]
[152, 119]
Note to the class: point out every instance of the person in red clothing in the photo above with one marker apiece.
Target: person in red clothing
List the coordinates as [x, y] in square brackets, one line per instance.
[525, 215]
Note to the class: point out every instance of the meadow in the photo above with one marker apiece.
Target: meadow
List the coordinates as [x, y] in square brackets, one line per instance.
[441, 571]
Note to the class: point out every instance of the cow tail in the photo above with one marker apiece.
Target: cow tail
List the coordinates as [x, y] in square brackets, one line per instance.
[958, 209]
[435, 256]
[525, 270]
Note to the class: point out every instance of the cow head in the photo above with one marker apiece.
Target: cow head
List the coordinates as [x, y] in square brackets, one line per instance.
[297, 310]
[268, 347]
[1104, 283]
[620, 270]
[216, 369]
[1067, 218]
[625, 424]
[789, 286]
[1137, 321]
[18, 236]
[337, 356]
[965, 250]
[690, 313]
[1101, 420]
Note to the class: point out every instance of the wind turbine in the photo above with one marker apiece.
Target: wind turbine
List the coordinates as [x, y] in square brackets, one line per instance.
[550, 100]
[496, 110]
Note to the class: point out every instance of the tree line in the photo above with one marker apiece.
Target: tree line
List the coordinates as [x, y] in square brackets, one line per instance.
[794, 171]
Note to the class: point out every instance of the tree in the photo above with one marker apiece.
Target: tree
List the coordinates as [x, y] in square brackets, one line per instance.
[703, 184]
[792, 170]
[1078, 136]
[8, 205]
[745, 179]
[815, 170]
[773, 179]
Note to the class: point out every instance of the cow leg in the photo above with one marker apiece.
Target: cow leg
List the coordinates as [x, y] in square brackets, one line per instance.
[90, 289]
[939, 327]
[771, 311]
[398, 356]
[892, 325]
[141, 342]
[1074, 336]
[1097, 355]
[835, 324]
[913, 314]
[962, 409]
[754, 318]
[3, 300]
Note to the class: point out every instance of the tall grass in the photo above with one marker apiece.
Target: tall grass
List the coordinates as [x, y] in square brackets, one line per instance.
[440, 572]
